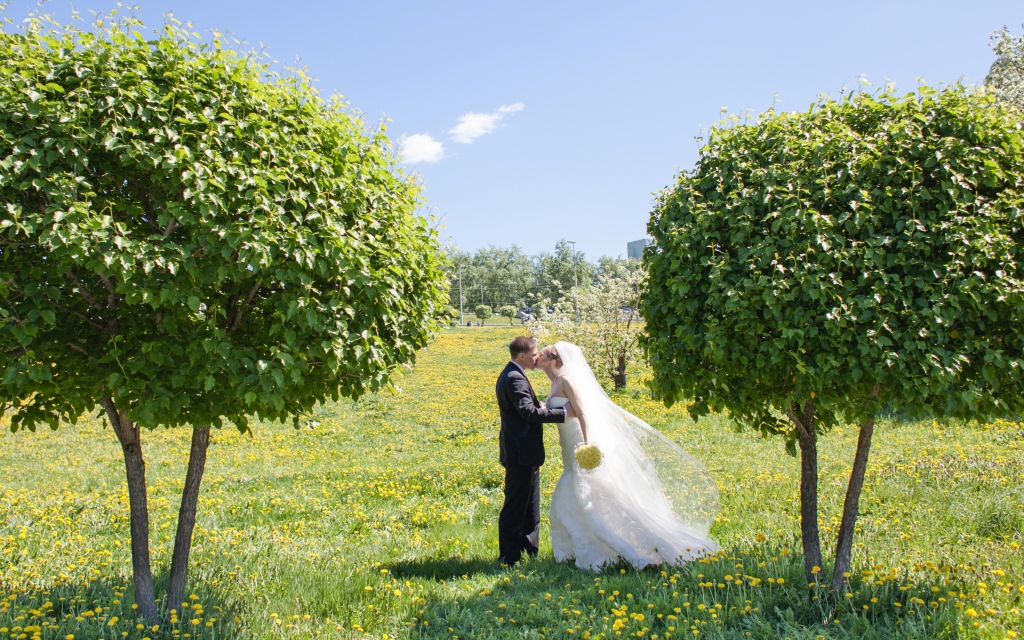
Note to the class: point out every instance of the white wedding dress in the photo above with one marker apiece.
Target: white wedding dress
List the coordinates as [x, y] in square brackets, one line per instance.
[648, 503]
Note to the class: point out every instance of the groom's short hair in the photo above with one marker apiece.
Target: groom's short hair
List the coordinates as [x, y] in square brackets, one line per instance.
[521, 345]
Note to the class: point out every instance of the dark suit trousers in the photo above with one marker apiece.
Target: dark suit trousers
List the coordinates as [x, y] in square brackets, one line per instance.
[519, 520]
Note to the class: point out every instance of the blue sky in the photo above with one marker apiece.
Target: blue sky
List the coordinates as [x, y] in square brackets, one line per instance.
[551, 120]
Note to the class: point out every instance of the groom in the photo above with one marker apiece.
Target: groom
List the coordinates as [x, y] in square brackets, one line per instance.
[521, 442]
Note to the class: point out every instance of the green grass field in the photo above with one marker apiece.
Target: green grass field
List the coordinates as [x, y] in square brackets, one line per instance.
[378, 519]
[493, 321]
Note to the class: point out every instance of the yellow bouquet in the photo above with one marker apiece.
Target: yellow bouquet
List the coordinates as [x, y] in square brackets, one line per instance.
[589, 457]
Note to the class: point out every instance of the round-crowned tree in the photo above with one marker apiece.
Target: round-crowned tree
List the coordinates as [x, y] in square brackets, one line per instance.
[507, 311]
[817, 266]
[483, 312]
[188, 239]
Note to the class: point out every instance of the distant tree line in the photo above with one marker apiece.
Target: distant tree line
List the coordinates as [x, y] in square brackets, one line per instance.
[497, 276]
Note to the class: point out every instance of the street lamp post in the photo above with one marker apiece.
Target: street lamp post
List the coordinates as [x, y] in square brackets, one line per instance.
[575, 281]
[462, 315]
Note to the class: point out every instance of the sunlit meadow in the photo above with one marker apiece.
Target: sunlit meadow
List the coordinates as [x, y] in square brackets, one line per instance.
[378, 519]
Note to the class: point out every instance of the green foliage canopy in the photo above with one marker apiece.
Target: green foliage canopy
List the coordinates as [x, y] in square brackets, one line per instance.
[497, 276]
[561, 270]
[507, 311]
[483, 311]
[195, 236]
[871, 240]
[448, 315]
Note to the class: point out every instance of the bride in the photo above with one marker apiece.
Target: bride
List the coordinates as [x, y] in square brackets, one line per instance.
[649, 501]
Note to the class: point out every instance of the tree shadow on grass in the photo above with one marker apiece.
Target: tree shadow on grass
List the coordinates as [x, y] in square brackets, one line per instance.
[747, 592]
[446, 568]
[104, 607]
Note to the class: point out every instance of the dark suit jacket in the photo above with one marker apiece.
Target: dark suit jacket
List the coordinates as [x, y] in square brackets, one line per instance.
[522, 434]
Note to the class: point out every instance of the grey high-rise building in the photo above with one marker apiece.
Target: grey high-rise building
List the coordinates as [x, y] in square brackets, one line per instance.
[635, 249]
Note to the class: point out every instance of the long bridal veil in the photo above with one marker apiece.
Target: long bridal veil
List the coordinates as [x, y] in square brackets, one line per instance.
[652, 472]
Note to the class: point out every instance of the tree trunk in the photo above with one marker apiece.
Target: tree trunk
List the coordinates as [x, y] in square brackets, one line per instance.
[844, 542]
[620, 373]
[187, 517]
[135, 469]
[808, 489]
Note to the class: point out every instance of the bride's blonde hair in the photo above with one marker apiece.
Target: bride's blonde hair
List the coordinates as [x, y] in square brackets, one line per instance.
[553, 353]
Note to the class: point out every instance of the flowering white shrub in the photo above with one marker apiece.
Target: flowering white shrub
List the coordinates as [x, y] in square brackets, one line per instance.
[607, 326]
[1006, 76]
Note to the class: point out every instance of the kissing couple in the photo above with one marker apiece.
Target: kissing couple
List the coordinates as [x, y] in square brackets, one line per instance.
[648, 502]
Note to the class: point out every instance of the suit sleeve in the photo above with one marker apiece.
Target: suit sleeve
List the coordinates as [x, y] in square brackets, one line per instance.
[529, 411]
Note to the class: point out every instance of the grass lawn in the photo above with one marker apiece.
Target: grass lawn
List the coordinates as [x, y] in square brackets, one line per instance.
[494, 321]
[378, 519]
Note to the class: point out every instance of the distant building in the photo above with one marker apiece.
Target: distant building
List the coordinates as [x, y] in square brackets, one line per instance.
[635, 249]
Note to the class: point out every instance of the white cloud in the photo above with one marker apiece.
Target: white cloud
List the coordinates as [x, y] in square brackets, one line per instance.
[511, 108]
[473, 125]
[420, 147]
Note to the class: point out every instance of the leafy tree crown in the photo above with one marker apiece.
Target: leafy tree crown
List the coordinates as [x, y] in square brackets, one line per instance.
[874, 239]
[193, 235]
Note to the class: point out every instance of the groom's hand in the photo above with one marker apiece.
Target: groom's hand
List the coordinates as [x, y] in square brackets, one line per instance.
[569, 411]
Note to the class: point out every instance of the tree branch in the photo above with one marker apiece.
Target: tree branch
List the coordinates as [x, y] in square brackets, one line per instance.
[797, 420]
[80, 350]
[170, 227]
[58, 305]
[14, 311]
[147, 204]
[82, 290]
[244, 307]
[93, 323]
[229, 307]
[14, 315]
[112, 296]
[608, 352]
[106, 283]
